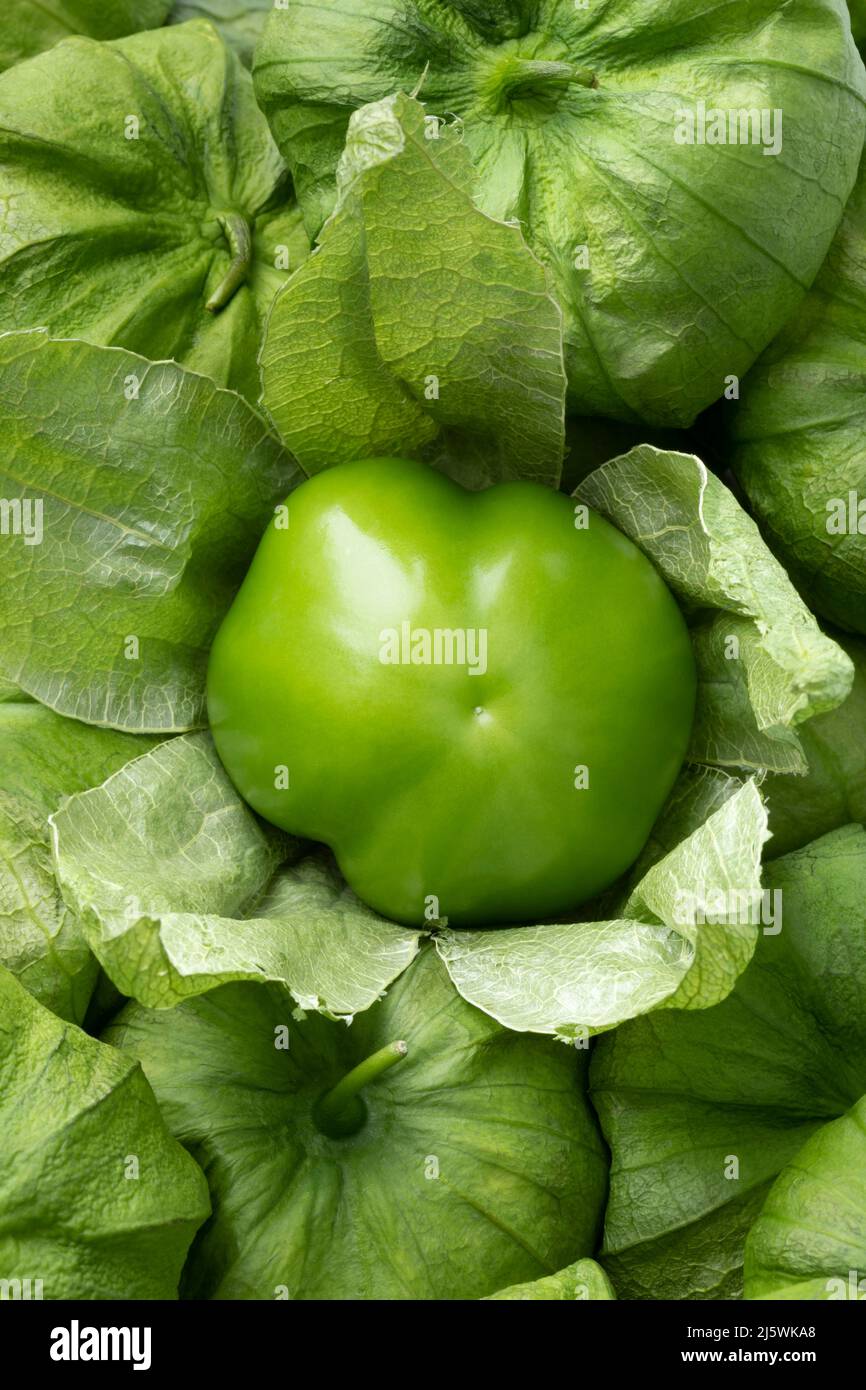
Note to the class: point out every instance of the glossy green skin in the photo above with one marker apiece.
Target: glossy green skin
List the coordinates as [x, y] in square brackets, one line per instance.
[445, 794]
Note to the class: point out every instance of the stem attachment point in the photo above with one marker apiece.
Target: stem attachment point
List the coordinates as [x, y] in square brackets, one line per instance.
[237, 233]
[341, 1111]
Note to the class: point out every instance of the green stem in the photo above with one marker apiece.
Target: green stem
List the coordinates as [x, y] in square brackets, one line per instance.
[237, 234]
[528, 76]
[341, 1111]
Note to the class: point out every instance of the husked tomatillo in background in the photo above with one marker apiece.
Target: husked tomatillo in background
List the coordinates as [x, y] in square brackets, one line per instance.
[653, 154]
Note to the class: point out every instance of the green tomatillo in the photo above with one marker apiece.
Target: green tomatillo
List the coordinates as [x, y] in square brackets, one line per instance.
[480, 701]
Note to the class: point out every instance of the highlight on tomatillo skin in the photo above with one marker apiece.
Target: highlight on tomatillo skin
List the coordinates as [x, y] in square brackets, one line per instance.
[479, 700]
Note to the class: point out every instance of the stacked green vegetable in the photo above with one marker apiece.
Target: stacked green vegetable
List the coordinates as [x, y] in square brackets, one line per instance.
[510, 247]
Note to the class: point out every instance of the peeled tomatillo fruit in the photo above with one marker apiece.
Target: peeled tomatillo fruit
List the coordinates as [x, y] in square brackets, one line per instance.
[479, 700]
